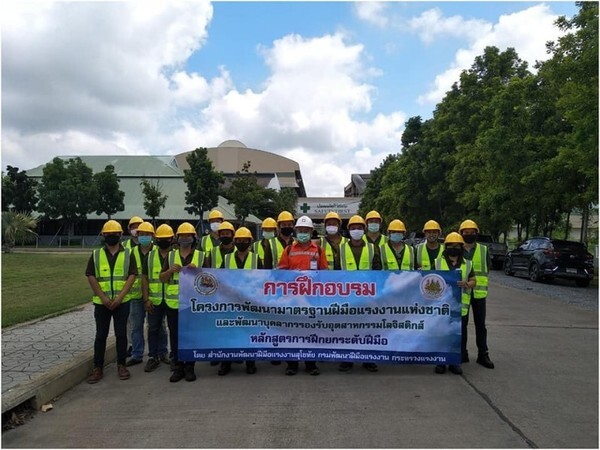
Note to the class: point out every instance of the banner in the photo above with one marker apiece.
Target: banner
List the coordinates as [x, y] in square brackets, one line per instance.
[404, 317]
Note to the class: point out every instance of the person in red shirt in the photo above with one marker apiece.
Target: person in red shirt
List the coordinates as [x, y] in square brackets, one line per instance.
[303, 254]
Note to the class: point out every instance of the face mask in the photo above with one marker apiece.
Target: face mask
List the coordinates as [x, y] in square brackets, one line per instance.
[470, 238]
[396, 237]
[133, 232]
[112, 239]
[186, 241]
[242, 246]
[268, 234]
[145, 240]
[331, 229]
[214, 226]
[373, 227]
[454, 251]
[163, 243]
[357, 234]
[433, 238]
[287, 231]
[226, 240]
[303, 238]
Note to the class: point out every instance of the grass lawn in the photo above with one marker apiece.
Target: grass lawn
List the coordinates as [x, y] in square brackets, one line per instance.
[34, 285]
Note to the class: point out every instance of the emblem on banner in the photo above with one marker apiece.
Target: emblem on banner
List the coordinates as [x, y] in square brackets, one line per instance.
[205, 284]
[433, 286]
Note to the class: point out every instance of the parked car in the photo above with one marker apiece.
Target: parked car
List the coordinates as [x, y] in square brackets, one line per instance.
[544, 258]
[497, 250]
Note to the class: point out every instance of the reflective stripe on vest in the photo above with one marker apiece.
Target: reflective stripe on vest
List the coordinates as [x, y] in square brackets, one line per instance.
[111, 283]
[276, 251]
[329, 250]
[250, 263]
[206, 243]
[172, 297]
[481, 270]
[259, 249]
[216, 259]
[136, 289]
[347, 261]
[465, 269]
[156, 288]
[391, 263]
[423, 257]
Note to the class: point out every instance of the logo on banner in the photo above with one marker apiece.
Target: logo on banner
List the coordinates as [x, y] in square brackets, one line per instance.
[432, 286]
[205, 284]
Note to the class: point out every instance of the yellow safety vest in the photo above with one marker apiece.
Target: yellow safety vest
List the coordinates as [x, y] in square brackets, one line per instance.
[276, 250]
[423, 256]
[206, 243]
[111, 283]
[465, 269]
[347, 261]
[128, 244]
[156, 288]
[329, 250]
[388, 258]
[481, 270]
[258, 248]
[216, 259]
[382, 239]
[172, 296]
[135, 292]
[250, 263]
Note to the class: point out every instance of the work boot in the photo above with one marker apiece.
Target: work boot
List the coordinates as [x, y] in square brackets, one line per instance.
[165, 359]
[225, 368]
[95, 376]
[189, 373]
[250, 367]
[371, 367]
[311, 368]
[133, 362]
[123, 372]
[292, 368]
[345, 366]
[465, 357]
[485, 361]
[151, 365]
[177, 374]
[440, 369]
[456, 370]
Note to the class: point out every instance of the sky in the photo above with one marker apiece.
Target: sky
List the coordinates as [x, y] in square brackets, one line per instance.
[327, 84]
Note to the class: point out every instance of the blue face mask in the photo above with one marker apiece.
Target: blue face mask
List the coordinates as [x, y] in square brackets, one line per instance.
[373, 227]
[396, 237]
[145, 240]
[303, 238]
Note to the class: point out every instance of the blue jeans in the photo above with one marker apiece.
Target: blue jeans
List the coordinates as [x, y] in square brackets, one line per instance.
[137, 316]
[102, 316]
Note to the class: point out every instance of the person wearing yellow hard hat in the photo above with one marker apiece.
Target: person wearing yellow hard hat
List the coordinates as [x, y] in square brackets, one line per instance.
[214, 258]
[241, 258]
[358, 254]
[480, 257]
[132, 227]
[452, 258]
[211, 240]
[373, 233]
[262, 247]
[285, 231]
[155, 302]
[332, 240]
[396, 254]
[111, 271]
[428, 251]
[185, 256]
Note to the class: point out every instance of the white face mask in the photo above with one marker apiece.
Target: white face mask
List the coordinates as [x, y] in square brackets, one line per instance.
[268, 234]
[331, 229]
[357, 234]
[214, 226]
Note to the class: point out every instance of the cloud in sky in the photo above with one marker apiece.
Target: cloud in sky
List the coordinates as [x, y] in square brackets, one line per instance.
[373, 12]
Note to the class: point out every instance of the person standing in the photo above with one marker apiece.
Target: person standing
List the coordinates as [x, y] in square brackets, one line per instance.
[428, 251]
[110, 272]
[373, 231]
[395, 254]
[185, 256]
[132, 227]
[452, 258]
[332, 240]
[303, 255]
[480, 257]
[211, 240]
[262, 247]
[285, 231]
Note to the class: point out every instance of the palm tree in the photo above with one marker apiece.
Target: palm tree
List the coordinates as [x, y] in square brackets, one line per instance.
[17, 227]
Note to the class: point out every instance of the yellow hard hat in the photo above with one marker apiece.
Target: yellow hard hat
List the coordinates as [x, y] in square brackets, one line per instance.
[186, 228]
[333, 215]
[454, 238]
[373, 215]
[242, 232]
[134, 220]
[112, 226]
[269, 223]
[215, 214]
[285, 216]
[396, 225]
[357, 219]
[164, 231]
[147, 227]
[468, 224]
[432, 225]
[226, 226]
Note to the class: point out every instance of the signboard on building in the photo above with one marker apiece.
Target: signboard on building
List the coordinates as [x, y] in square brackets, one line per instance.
[317, 207]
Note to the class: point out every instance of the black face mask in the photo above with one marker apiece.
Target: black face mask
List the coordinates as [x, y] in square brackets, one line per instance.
[163, 243]
[226, 240]
[454, 251]
[111, 240]
[470, 238]
[287, 231]
[242, 246]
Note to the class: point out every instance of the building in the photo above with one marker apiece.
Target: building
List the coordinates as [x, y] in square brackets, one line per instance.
[358, 184]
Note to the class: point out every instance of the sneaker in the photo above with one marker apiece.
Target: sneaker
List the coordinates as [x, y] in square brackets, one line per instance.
[225, 368]
[291, 369]
[371, 367]
[189, 373]
[95, 376]
[485, 361]
[165, 359]
[151, 365]
[345, 366]
[123, 372]
[440, 369]
[312, 368]
[133, 362]
[250, 367]
[177, 374]
[456, 370]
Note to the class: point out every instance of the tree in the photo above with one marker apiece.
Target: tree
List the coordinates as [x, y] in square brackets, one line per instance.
[18, 191]
[110, 197]
[247, 196]
[17, 227]
[67, 191]
[373, 188]
[203, 182]
[154, 201]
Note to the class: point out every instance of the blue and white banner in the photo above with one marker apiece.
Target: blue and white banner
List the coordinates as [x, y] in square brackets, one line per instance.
[407, 317]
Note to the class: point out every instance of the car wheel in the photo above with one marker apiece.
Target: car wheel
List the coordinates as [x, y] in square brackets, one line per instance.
[582, 283]
[534, 272]
[508, 267]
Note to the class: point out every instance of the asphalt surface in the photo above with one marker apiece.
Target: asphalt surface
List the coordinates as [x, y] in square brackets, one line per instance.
[543, 393]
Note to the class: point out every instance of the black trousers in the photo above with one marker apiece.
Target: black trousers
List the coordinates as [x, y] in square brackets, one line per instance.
[102, 315]
[478, 308]
[173, 322]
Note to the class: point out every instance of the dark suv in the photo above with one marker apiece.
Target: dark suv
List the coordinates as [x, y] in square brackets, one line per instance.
[545, 258]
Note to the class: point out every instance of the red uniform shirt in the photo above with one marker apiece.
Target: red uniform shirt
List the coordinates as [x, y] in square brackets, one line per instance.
[299, 256]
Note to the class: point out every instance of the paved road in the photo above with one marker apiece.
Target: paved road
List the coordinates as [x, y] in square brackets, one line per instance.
[543, 393]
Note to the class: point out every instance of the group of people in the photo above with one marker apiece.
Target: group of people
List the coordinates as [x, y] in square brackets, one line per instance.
[138, 279]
